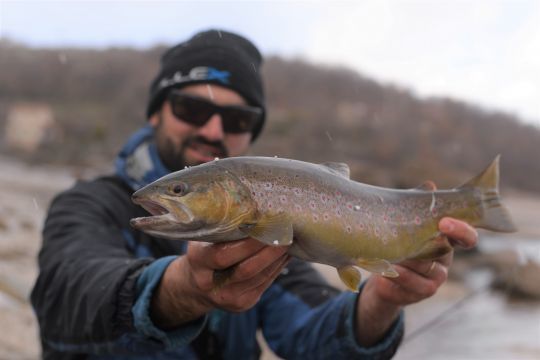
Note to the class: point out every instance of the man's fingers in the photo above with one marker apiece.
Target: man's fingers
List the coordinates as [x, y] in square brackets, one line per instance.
[252, 266]
[459, 232]
[411, 286]
[241, 296]
[269, 274]
[223, 255]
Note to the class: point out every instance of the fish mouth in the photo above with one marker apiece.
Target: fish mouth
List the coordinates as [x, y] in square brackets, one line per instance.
[164, 217]
[173, 220]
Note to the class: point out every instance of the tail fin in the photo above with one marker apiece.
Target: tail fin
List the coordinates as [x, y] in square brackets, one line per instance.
[495, 216]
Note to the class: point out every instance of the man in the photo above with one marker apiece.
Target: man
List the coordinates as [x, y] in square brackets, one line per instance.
[108, 291]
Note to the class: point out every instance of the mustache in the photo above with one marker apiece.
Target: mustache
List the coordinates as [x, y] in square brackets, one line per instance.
[198, 139]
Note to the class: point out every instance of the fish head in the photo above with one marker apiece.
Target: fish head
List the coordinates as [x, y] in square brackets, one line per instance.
[204, 203]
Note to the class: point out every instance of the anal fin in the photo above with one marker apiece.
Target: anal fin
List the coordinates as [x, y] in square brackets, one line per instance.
[378, 266]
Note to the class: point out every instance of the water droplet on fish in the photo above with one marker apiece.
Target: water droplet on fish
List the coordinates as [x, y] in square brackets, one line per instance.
[324, 292]
[253, 66]
[219, 34]
[276, 242]
[216, 159]
[285, 271]
[35, 203]
[356, 207]
[275, 156]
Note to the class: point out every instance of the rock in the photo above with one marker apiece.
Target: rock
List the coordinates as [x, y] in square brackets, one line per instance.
[3, 225]
[520, 279]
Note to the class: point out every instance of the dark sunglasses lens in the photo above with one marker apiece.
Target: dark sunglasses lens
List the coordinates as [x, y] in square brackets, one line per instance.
[192, 111]
[238, 121]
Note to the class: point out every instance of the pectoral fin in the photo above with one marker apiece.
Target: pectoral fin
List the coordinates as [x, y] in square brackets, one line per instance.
[350, 276]
[276, 230]
[378, 266]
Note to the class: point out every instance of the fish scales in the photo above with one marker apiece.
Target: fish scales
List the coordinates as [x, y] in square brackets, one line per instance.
[316, 210]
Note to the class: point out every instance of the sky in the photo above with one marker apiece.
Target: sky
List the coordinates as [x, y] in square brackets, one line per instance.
[485, 52]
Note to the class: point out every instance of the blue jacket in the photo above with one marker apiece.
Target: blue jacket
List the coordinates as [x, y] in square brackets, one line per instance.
[97, 276]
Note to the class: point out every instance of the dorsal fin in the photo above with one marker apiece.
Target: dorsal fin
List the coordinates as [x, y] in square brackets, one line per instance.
[340, 169]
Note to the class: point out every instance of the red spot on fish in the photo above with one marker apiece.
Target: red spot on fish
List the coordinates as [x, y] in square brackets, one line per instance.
[324, 198]
[350, 206]
[337, 194]
[312, 205]
[270, 205]
[434, 212]
[385, 218]
[417, 220]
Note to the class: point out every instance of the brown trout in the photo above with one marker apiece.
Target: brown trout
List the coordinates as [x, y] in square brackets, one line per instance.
[316, 210]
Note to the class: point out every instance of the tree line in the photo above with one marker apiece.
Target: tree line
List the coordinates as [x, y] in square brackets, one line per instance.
[316, 113]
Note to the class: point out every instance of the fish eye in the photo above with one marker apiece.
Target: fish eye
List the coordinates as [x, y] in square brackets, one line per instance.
[180, 188]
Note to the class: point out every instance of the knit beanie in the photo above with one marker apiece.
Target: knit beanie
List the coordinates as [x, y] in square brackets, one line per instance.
[211, 57]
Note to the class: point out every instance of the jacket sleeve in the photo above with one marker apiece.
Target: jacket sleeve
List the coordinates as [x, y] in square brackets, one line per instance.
[87, 285]
[304, 318]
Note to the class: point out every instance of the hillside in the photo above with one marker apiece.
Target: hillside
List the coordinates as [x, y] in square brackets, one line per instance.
[317, 113]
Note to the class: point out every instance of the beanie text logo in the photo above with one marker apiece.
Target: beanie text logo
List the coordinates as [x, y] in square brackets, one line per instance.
[199, 73]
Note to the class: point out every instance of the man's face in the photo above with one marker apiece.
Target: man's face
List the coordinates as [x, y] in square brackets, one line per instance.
[181, 144]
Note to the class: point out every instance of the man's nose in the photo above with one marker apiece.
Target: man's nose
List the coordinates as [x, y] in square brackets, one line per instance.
[213, 129]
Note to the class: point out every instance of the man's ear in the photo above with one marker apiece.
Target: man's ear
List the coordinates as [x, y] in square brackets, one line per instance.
[154, 119]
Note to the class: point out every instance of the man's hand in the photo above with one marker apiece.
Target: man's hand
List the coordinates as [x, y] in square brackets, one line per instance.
[382, 297]
[187, 290]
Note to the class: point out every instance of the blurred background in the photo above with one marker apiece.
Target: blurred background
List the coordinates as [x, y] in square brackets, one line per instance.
[402, 91]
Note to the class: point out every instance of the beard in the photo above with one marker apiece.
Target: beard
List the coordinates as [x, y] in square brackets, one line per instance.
[173, 155]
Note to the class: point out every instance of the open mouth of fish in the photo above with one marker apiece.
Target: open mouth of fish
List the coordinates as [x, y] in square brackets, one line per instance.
[181, 218]
[173, 221]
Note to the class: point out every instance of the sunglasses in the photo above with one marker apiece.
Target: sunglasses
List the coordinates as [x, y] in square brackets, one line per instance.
[196, 111]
